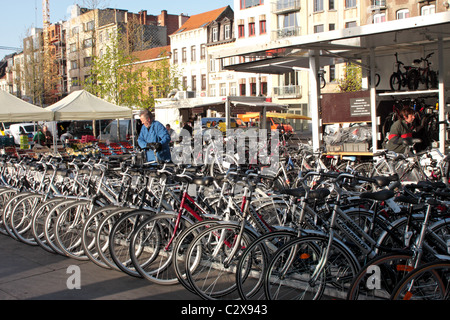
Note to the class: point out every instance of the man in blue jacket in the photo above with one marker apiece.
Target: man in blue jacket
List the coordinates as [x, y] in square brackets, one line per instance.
[153, 131]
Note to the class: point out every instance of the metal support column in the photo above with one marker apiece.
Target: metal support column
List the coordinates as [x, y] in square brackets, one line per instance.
[373, 101]
[314, 97]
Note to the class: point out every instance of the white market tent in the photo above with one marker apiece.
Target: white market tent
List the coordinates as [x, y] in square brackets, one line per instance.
[81, 105]
[13, 109]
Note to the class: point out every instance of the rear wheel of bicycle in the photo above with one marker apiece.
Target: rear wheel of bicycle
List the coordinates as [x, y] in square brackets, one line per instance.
[212, 258]
[120, 238]
[431, 81]
[102, 234]
[151, 247]
[69, 225]
[253, 263]
[295, 273]
[377, 279]
[412, 79]
[38, 220]
[22, 217]
[395, 82]
[5, 196]
[89, 231]
[428, 282]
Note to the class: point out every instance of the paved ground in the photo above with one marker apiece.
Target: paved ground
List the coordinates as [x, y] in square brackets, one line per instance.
[31, 273]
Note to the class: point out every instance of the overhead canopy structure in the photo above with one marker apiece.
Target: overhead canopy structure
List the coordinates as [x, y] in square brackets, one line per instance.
[364, 45]
[253, 115]
[81, 105]
[13, 109]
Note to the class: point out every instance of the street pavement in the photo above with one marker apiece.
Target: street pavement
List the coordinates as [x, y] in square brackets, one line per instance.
[31, 273]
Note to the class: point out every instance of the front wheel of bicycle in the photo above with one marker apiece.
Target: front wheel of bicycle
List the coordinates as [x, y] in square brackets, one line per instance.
[428, 282]
[305, 270]
[395, 82]
[212, 258]
[377, 279]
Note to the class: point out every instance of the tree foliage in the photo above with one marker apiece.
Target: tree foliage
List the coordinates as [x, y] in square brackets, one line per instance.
[352, 79]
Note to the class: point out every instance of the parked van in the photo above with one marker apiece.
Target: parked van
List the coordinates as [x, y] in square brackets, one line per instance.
[110, 132]
[17, 129]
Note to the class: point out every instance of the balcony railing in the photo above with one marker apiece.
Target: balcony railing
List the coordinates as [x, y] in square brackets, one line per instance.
[378, 4]
[287, 92]
[287, 32]
[283, 6]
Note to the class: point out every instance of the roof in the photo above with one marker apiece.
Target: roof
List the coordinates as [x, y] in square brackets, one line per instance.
[150, 54]
[201, 20]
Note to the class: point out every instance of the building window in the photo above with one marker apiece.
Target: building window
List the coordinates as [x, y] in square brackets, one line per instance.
[194, 83]
[251, 3]
[331, 27]
[212, 64]
[75, 82]
[74, 64]
[379, 17]
[212, 90]
[193, 53]
[75, 31]
[89, 26]
[318, 5]
[241, 31]
[318, 28]
[73, 47]
[184, 83]
[87, 43]
[350, 3]
[233, 90]
[215, 34]
[402, 14]
[175, 56]
[183, 55]
[203, 82]
[262, 27]
[350, 24]
[227, 31]
[430, 9]
[251, 29]
[223, 89]
[264, 88]
[331, 5]
[202, 52]
[87, 61]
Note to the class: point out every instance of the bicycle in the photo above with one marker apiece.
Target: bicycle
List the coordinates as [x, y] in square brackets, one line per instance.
[425, 74]
[400, 79]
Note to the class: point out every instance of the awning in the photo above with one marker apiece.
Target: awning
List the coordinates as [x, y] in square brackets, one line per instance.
[253, 115]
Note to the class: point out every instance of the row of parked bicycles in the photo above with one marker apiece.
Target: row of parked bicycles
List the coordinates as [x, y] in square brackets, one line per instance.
[320, 228]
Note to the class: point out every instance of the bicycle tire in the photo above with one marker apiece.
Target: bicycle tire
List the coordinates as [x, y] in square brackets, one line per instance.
[151, 247]
[22, 217]
[395, 82]
[7, 210]
[102, 236]
[427, 282]
[254, 260]
[412, 79]
[206, 272]
[180, 250]
[378, 278]
[68, 226]
[89, 232]
[38, 221]
[121, 233]
[303, 256]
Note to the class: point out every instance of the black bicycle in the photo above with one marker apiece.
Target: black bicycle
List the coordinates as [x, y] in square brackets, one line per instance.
[407, 78]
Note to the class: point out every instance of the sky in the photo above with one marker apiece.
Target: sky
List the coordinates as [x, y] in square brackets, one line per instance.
[20, 15]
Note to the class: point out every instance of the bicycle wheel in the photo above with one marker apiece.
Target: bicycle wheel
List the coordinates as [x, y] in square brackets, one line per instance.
[151, 247]
[428, 282]
[89, 231]
[102, 236]
[412, 79]
[50, 224]
[68, 229]
[254, 260]
[5, 196]
[22, 216]
[395, 82]
[377, 279]
[181, 246]
[431, 81]
[212, 258]
[7, 210]
[38, 221]
[298, 270]
[120, 237]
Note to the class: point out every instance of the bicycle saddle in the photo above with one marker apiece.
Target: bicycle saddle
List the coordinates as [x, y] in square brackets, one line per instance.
[378, 195]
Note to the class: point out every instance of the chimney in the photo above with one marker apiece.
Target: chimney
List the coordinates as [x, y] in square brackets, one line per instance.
[163, 18]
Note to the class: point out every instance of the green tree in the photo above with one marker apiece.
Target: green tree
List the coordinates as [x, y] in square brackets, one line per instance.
[352, 79]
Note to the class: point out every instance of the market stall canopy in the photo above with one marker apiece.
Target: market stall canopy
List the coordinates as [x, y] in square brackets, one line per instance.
[13, 109]
[82, 105]
[253, 115]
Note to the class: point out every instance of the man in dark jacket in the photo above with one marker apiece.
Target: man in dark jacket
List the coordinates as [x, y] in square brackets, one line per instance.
[401, 130]
[153, 131]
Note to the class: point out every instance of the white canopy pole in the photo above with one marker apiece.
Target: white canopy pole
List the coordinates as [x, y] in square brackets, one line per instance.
[314, 97]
